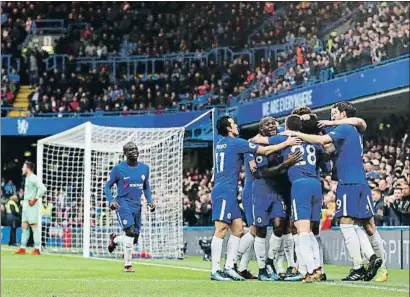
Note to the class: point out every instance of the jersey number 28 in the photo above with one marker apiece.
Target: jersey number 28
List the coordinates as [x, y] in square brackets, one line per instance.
[220, 160]
[310, 154]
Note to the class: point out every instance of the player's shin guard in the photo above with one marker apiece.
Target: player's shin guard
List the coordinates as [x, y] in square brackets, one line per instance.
[128, 245]
[246, 257]
[306, 251]
[275, 243]
[377, 243]
[365, 245]
[244, 246]
[119, 239]
[260, 251]
[320, 243]
[233, 245]
[25, 235]
[316, 250]
[280, 261]
[289, 249]
[36, 237]
[301, 264]
[216, 253]
[352, 244]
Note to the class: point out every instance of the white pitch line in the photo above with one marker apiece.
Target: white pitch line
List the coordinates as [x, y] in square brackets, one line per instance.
[101, 280]
[339, 284]
[105, 280]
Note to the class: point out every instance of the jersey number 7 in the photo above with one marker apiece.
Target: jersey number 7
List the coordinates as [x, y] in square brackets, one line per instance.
[220, 160]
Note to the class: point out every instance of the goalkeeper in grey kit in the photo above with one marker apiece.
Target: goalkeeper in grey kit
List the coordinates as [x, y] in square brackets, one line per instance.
[132, 179]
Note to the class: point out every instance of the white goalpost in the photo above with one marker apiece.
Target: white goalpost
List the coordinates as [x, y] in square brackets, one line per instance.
[75, 164]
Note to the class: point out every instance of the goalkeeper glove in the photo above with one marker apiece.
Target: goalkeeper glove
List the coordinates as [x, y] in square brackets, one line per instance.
[151, 207]
[32, 201]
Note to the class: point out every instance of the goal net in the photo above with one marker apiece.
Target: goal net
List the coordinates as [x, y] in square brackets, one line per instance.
[75, 165]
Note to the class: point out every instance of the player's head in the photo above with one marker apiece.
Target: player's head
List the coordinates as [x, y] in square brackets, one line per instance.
[293, 122]
[268, 126]
[28, 167]
[131, 151]
[310, 126]
[342, 110]
[226, 126]
[301, 110]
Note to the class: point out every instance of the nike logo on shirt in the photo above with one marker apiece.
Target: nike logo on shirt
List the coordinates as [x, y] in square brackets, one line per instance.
[126, 177]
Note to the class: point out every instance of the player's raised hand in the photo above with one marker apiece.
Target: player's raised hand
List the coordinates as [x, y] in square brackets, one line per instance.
[293, 141]
[294, 158]
[114, 205]
[324, 123]
[151, 207]
[305, 117]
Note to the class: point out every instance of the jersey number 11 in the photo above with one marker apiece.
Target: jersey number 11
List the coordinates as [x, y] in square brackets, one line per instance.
[220, 159]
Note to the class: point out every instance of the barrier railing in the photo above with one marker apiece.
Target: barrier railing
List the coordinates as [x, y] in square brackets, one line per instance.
[266, 23]
[324, 75]
[8, 62]
[45, 26]
[135, 65]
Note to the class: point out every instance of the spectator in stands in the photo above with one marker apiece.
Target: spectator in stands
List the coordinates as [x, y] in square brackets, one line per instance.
[13, 219]
[378, 204]
[392, 209]
[10, 189]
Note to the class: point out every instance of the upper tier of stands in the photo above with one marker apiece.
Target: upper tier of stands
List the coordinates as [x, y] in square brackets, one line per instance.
[215, 65]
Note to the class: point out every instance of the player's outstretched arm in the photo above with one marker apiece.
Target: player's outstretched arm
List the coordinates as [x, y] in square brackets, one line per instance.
[148, 193]
[110, 182]
[266, 150]
[314, 139]
[357, 122]
[41, 188]
[259, 139]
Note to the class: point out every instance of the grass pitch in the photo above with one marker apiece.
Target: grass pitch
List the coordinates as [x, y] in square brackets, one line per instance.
[59, 276]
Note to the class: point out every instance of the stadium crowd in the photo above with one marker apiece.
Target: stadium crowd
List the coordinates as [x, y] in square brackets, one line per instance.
[376, 33]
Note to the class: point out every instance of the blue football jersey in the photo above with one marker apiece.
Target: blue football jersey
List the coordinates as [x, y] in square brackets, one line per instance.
[249, 178]
[229, 157]
[308, 167]
[131, 183]
[348, 162]
[281, 128]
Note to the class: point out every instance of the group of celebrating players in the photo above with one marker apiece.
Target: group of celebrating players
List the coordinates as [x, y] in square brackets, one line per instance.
[283, 189]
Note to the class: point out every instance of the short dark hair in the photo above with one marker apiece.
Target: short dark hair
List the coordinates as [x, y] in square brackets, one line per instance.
[293, 122]
[263, 120]
[347, 107]
[222, 125]
[29, 165]
[301, 110]
[310, 126]
[128, 146]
